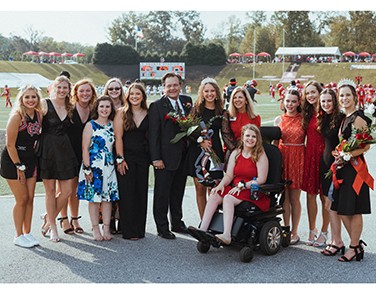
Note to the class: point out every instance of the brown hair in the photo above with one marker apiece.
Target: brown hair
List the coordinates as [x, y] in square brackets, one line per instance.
[199, 105]
[336, 111]
[127, 111]
[94, 112]
[74, 97]
[308, 109]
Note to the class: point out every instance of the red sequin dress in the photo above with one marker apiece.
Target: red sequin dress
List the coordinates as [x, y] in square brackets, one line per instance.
[292, 148]
[315, 146]
[245, 170]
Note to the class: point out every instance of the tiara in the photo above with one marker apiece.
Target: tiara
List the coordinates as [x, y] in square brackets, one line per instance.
[346, 81]
[208, 80]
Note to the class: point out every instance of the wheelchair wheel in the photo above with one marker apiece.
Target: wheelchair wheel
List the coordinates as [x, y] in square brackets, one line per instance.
[270, 238]
[203, 247]
[246, 254]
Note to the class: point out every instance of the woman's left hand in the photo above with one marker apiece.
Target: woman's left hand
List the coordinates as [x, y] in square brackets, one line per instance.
[206, 145]
[21, 177]
[235, 190]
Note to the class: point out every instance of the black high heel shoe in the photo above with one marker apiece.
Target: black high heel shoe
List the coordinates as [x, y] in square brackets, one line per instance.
[76, 229]
[327, 252]
[67, 230]
[359, 254]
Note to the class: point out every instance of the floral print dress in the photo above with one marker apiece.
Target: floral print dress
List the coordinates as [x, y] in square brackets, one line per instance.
[104, 183]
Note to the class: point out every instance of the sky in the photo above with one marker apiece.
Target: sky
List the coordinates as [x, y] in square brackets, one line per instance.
[76, 21]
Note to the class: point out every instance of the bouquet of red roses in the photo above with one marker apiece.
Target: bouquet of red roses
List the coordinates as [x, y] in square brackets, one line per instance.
[358, 139]
[190, 128]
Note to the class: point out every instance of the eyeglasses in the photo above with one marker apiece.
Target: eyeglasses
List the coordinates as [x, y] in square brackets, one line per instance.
[115, 88]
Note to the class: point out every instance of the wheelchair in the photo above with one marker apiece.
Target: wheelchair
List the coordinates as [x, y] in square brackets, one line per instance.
[253, 229]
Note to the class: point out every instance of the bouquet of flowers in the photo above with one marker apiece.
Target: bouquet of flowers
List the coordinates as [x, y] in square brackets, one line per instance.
[191, 128]
[358, 139]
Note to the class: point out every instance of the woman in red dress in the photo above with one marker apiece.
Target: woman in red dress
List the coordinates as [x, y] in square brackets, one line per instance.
[315, 145]
[292, 148]
[240, 112]
[245, 163]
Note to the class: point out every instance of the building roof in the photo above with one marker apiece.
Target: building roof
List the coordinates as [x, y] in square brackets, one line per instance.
[308, 51]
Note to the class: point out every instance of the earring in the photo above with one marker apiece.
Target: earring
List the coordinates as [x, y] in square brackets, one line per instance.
[216, 99]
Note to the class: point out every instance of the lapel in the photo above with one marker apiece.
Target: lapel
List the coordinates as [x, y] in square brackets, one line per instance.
[184, 102]
[167, 104]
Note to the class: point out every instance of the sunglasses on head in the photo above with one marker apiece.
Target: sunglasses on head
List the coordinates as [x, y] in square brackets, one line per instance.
[114, 88]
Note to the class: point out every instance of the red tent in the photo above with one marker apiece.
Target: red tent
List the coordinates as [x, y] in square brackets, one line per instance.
[234, 54]
[30, 53]
[364, 54]
[42, 53]
[54, 54]
[65, 54]
[374, 55]
[76, 55]
[249, 54]
[349, 54]
[263, 54]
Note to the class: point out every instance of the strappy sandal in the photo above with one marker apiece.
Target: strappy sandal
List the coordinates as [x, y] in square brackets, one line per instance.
[76, 229]
[309, 241]
[45, 229]
[67, 230]
[327, 251]
[321, 244]
[359, 254]
[54, 237]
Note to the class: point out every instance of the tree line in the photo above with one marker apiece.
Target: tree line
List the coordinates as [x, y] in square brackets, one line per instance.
[180, 36]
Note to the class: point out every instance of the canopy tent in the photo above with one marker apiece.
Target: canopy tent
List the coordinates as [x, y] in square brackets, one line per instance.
[249, 54]
[364, 54]
[34, 53]
[234, 54]
[66, 54]
[349, 54]
[78, 54]
[292, 51]
[263, 54]
[14, 80]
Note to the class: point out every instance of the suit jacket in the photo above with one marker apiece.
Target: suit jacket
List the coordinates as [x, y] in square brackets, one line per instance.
[162, 131]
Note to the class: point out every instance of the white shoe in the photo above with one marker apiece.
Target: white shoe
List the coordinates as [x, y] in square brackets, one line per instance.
[31, 239]
[22, 241]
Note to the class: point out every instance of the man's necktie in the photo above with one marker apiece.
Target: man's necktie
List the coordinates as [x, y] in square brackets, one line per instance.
[177, 108]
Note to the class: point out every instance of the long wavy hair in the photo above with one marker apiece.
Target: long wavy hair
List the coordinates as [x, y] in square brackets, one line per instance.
[74, 93]
[19, 107]
[336, 111]
[199, 105]
[249, 107]
[258, 149]
[68, 104]
[308, 109]
[127, 111]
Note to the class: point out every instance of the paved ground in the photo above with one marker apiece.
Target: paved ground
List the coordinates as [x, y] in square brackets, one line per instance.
[78, 259]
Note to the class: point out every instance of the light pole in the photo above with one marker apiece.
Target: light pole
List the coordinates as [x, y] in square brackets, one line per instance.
[254, 51]
[283, 52]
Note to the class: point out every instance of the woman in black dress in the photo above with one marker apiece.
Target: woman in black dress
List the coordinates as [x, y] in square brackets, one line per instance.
[209, 107]
[328, 121]
[349, 204]
[19, 163]
[58, 160]
[83, 97]
[131, 126]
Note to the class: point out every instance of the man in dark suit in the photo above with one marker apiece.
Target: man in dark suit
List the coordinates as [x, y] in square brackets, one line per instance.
[167, 158]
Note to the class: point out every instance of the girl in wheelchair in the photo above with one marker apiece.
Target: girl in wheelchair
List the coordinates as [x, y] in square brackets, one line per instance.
[246, 162]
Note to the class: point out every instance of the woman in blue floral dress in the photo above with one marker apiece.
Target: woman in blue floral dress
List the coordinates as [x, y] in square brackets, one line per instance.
[97, 178]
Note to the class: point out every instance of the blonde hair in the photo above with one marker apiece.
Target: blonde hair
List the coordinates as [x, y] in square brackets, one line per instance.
[249, 107]
[258, 149]
[68, 104]
[19, 107]
[122, 94]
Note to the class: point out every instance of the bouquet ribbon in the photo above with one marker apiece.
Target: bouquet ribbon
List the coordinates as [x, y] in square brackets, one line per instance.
[336, 182]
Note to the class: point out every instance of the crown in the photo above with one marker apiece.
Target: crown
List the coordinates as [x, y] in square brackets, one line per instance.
[208, 80]
[346, 81]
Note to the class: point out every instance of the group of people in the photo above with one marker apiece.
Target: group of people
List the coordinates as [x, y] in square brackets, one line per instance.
[99, 149]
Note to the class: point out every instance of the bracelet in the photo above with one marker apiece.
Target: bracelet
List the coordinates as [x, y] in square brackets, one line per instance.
[20, 166]
[86, 169]
[241, 185]
[119, 159]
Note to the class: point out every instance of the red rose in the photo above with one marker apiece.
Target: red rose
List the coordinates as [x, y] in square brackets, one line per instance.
[167, 117]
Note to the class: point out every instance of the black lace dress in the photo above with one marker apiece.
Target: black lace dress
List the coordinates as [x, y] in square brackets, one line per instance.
[346, 201]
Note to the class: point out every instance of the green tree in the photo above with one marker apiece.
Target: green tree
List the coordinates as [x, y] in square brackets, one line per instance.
[192, 26]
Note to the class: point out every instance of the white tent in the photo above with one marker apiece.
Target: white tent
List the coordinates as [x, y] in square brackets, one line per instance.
[14, 80]
[292, 51]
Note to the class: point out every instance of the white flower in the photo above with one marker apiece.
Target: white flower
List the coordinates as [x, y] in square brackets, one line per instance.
[345, 155]
[200, 139]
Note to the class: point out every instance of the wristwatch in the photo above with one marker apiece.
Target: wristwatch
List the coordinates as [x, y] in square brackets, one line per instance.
[20, 166]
